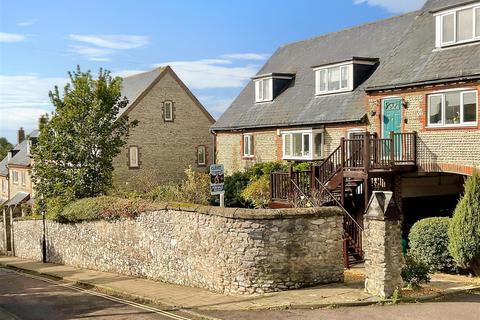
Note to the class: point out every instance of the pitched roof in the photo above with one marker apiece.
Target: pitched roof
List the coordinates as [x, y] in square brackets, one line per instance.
[136, 86]
[417, 61]
[298, 104]
[21, 158]
[435, 5]
[3, 167]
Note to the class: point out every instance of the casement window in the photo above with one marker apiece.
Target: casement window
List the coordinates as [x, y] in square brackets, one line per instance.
[23, 178]
[302, 144]
[133, 157]
[263, 90]
[4, 185]
[453, 108]
[168, 111]
[334, 79]
[201, 156]
[248, 150]
[15, 176]
[459, 25]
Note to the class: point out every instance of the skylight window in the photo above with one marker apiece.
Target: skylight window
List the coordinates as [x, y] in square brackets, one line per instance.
[458, 25]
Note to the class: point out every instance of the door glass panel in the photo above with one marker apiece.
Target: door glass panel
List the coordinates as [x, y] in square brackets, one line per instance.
[464, 24]
[469, 107]
[452, 108]
[317, 145]
[435, 109]
[448, 28]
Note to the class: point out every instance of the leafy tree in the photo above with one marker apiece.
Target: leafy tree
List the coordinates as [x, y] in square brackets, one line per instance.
[5, 146]
[75, 149]
[464, 230]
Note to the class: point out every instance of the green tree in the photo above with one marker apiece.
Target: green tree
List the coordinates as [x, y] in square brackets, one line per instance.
[5, 146]
[464, 230]
[75, 149]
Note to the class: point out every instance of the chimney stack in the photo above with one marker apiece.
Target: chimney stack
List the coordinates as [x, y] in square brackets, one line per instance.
[42, 120]
[20, 135]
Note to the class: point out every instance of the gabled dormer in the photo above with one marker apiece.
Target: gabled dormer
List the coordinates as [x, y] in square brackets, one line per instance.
[457, 25]
[269, 86]
[342, 76]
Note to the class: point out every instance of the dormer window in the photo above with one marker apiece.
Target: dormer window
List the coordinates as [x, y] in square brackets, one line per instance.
[269, 86]
[458, 25]
[334, 79]
[263, 90]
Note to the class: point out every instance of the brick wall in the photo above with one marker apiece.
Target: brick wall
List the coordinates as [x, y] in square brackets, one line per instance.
[455, 150]
[268, 146]
[166, 149]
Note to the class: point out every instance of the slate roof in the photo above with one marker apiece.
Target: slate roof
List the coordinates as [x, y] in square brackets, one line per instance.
[21, 158]
[435, 5]
[3, 167]
[19, 197]
[133, 86]
[417, 61]
[298, 105]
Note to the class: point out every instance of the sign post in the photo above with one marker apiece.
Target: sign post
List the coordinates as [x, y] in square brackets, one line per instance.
[217, 182]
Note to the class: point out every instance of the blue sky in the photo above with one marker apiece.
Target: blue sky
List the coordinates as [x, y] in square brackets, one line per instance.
[214, 45]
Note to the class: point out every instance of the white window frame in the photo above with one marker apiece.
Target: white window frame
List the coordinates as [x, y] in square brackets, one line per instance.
[136, 163]
[204, 162]
[349, 86]
[248, 147]
[169, 105]
[439, 25]
[259, 85]
[307, 132]
[461, 123]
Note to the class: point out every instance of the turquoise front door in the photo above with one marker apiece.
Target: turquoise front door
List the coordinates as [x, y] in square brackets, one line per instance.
[392, 121]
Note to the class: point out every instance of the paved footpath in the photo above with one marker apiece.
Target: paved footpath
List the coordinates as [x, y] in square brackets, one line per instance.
[180, 297]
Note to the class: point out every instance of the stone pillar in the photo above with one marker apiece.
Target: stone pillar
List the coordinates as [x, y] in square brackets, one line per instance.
[382, 245]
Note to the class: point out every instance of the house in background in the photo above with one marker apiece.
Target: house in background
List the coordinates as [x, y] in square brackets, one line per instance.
[172, 132]
[306, 97]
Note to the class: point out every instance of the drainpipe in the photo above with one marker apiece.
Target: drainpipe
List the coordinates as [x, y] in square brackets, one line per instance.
[214, 146]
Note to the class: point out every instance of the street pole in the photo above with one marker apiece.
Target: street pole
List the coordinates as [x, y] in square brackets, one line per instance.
[44, 241]
[222, 200]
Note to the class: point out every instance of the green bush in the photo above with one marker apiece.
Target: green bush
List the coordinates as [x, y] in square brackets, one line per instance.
[258, 192]
[234, 186]
[414, 272]
[429, 243]
[102, 208]
[464, 231]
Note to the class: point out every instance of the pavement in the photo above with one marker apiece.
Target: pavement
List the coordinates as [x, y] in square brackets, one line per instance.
[176, 297]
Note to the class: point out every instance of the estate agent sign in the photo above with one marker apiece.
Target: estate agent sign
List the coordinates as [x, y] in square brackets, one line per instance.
[217, 177]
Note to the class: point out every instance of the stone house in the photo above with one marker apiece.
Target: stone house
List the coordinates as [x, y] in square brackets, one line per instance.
[172, 132]
[390, 105]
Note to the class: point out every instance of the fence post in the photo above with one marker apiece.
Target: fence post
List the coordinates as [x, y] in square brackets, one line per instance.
[290, 186]
[392, 148]
[366, 151]
[415, 147]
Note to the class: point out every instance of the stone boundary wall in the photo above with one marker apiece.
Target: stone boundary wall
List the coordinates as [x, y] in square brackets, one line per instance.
[227, 250]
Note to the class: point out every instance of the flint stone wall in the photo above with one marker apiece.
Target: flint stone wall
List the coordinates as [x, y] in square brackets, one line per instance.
[224, 250]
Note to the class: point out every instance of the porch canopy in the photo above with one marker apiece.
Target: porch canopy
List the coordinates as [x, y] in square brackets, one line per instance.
[17, 199]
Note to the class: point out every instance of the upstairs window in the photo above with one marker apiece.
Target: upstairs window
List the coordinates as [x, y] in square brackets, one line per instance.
[454, 108]
[24, 178]
[4, 185]
[15, 176]
[302, 145]
[133, 157]
[248, 150]
[458, 25]
[201, 156]
[168, 111]
[333, 79]
[263, 90]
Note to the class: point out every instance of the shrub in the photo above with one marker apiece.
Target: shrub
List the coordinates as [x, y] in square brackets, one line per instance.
[258, 192]
[102, 208]
[464, 231]
[234, 186]
[414, 272]
[429, 243]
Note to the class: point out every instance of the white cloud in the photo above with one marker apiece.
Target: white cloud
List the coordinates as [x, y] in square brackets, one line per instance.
[11, 37]
[212, 73]
[100, 47]
[27, 23]
[394, 6]
[23, 98]
[246, 56]
[112, 41]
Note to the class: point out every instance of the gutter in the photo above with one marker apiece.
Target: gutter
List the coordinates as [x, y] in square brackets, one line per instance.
[422, 83]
